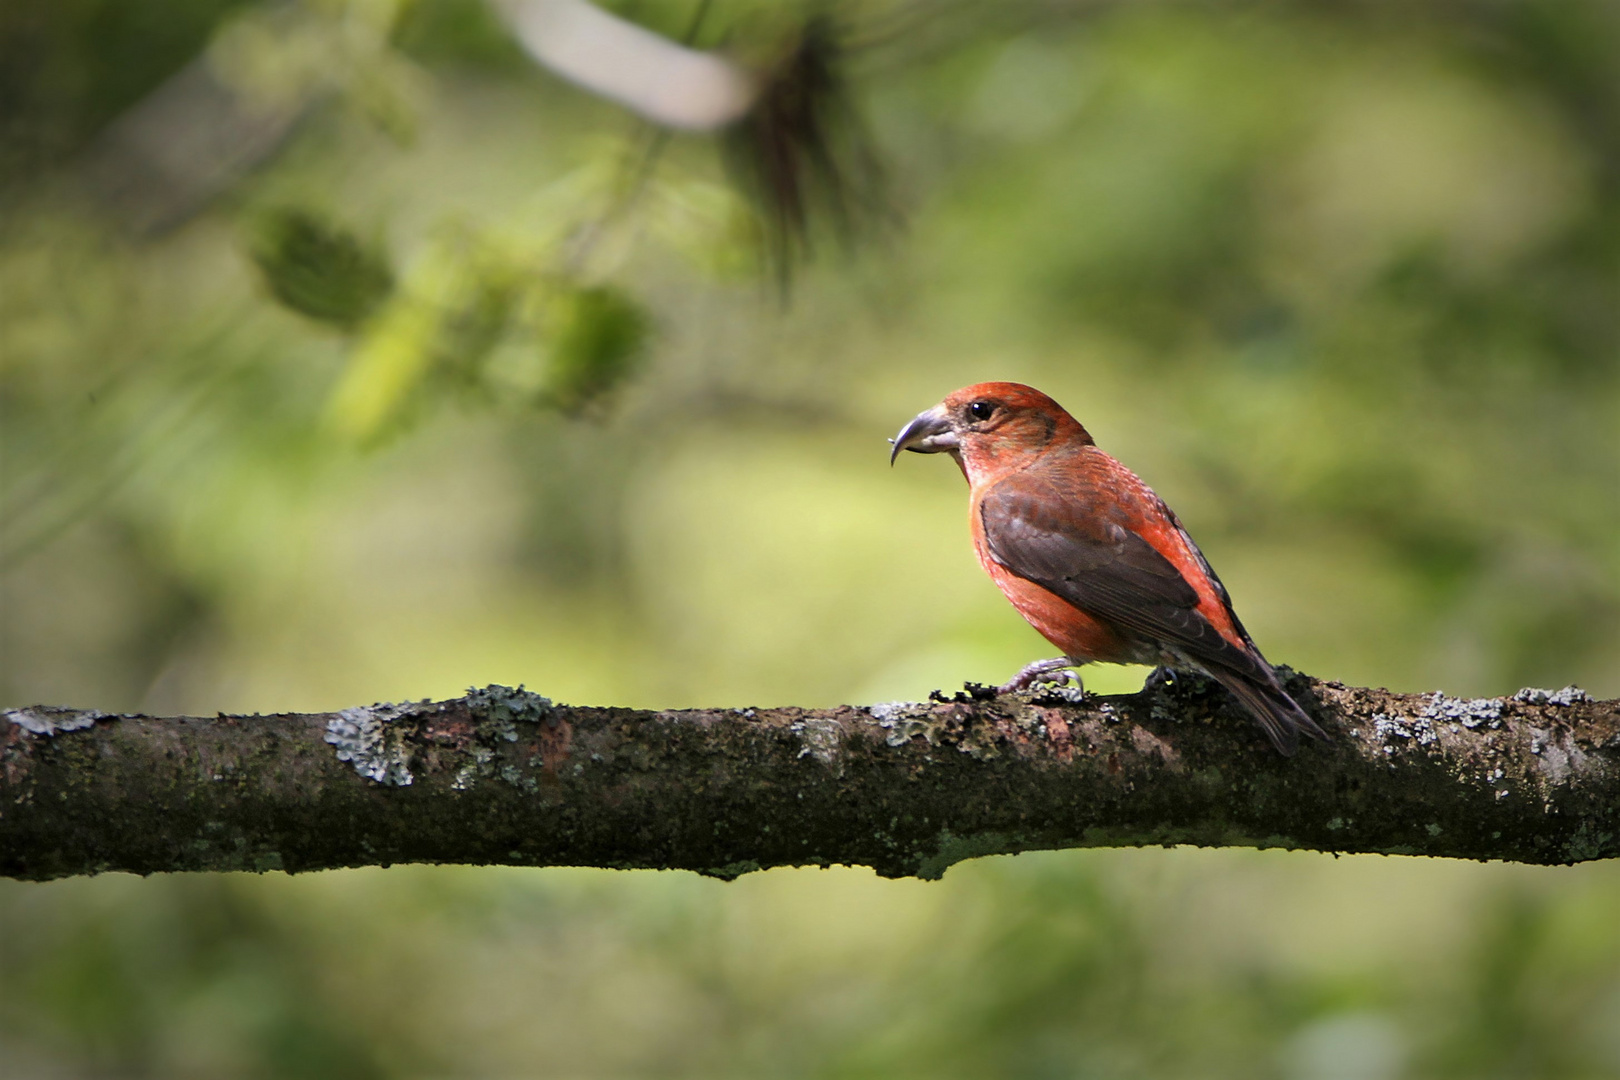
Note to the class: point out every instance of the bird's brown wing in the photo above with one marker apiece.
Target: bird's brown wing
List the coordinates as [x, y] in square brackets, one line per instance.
[1103, 568]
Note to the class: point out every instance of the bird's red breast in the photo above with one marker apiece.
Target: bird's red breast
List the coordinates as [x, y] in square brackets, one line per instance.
[1085, 490]
[1082, 488]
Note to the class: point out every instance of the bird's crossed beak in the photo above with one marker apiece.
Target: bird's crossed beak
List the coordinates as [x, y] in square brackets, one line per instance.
[929, 433]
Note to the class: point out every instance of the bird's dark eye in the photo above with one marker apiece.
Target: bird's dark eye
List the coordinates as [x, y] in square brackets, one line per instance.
[981, 410]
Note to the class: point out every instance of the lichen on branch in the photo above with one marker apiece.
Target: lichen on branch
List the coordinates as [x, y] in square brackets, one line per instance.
[505, 776]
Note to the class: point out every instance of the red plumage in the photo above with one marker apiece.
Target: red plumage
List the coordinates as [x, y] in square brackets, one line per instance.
[1088, 554]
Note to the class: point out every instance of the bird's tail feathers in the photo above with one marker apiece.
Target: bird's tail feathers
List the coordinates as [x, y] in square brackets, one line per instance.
[1279, 715]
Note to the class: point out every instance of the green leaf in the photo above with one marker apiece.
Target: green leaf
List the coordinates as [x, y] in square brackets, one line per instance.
[599, 339]
[318, 268]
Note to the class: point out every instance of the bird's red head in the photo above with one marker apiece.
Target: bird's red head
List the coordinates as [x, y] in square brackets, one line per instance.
[991, 428]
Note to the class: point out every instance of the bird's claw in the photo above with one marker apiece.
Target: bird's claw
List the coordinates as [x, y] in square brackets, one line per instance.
[1056, 672]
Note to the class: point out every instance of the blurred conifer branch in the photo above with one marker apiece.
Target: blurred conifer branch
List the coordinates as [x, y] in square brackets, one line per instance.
[803, 151]
[506, 776]
[780, 99]
[786, 114]
[792, 137]
[667, 83]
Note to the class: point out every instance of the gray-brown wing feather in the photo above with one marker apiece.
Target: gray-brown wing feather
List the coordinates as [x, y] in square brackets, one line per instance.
[1104, 569]
[1113, 574]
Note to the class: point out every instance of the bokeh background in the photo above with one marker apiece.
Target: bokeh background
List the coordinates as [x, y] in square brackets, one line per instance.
[348, 355]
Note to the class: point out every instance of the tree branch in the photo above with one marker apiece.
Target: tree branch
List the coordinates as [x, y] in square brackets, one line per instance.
[504, 776]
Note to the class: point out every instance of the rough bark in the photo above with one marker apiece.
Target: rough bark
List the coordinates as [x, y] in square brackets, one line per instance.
[505, 776]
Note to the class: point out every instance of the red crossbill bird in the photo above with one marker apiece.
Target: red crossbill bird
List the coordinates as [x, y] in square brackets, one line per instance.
[1089, 555]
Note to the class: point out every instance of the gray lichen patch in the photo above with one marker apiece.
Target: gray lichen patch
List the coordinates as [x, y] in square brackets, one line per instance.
[500, 709]
[47, 721]
[1569, 695]
[1438, 712]
[486, 765]
[1387, 728]
[496, 712]
[885, 712]
[369, 739]
[902, 721]
[1469, 712]
[1556, 756]
[821, 737]
[1055, 693]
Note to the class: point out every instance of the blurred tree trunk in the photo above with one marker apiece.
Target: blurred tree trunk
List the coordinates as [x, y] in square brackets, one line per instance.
[504, 776]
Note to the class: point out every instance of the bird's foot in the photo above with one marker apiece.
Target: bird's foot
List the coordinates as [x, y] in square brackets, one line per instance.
[1059, 671]
[1162, 675]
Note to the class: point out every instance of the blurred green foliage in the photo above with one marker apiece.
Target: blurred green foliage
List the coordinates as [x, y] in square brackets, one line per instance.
[1080, 964]
[67, 69]
[320, 269]
[1341, 281]
[434, 335]
[598, 339]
